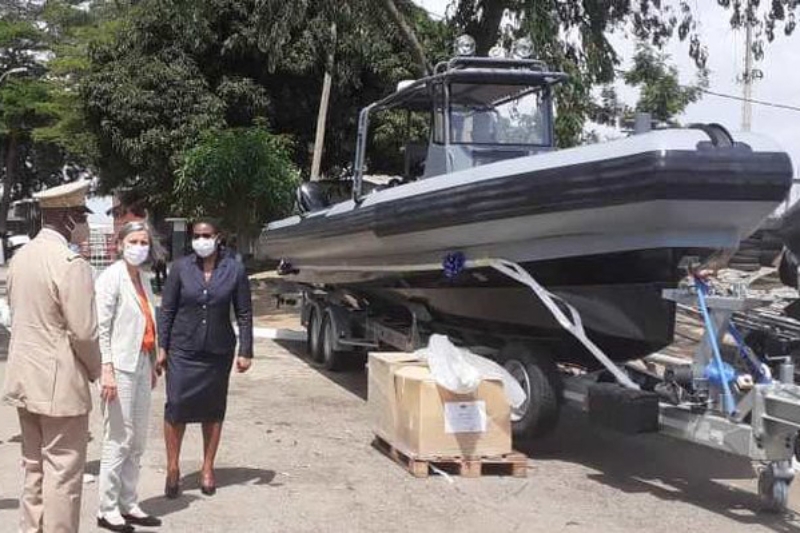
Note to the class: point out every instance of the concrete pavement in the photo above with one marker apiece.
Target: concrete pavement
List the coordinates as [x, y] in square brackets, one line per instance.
[296, 457]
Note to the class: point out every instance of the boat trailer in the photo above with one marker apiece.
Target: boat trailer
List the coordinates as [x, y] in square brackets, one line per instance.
[703, 400]
[757, 420]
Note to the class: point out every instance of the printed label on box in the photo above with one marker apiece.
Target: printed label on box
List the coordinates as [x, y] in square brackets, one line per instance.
[465, 417]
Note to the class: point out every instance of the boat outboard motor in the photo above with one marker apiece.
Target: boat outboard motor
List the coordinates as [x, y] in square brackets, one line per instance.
[311, 196]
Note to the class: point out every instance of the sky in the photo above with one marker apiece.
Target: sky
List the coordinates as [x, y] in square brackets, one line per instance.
[99, 205]
[781, 82]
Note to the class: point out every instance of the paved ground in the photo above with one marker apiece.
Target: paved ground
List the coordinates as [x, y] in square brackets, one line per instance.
[296, 457]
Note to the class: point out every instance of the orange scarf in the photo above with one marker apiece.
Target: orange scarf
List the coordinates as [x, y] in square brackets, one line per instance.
[149, 340]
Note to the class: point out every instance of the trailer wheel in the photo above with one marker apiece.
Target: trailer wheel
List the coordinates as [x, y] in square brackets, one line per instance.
[313, 334]
[539, 377]
[332, 359]
[773, 486]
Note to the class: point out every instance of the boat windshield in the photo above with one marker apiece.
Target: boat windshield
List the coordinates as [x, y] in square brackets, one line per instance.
[497, 114]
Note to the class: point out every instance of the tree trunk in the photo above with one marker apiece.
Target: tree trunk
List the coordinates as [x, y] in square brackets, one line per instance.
[319, 141]
[12, 162]
[482, 22]
[423, 68]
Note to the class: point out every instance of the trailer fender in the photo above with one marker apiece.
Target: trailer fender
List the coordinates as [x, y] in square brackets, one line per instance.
[342, 325]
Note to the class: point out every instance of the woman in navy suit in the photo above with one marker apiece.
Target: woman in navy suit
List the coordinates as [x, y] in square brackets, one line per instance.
[196, 346]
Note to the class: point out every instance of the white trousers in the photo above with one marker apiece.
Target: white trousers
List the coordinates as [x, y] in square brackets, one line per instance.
[125, 426]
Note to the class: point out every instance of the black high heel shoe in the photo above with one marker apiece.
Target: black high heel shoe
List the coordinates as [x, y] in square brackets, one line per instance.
[209, 489]
[172, 490]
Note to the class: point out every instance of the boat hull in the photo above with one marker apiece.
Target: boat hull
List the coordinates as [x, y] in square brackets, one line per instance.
[617, 295]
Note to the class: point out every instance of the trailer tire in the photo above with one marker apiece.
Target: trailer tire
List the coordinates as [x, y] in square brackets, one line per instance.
[773, 487]
[332, 359]
[314, 334]
[534, 368]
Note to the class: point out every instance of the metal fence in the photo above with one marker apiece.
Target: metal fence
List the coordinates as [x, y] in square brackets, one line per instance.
[102, 249]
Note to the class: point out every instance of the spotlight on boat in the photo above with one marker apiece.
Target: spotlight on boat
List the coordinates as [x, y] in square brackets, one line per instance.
[465, 45]
[522, 48]
[497, 52]
[402, 84]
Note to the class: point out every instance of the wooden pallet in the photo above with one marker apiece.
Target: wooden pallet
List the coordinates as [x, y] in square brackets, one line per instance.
[511, 464]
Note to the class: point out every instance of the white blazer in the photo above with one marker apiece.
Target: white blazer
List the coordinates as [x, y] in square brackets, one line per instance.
[120, 319]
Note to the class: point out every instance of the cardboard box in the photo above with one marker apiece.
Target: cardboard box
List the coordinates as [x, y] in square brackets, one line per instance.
[434, 422]
[381, 397]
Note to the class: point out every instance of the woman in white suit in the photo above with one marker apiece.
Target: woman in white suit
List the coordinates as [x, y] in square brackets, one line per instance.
[126, 320]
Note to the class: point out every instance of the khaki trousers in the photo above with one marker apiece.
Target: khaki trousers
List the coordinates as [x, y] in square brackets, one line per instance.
[54, 456]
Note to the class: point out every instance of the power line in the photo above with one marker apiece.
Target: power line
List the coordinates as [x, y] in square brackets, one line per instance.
[734, 97]
[752, 101]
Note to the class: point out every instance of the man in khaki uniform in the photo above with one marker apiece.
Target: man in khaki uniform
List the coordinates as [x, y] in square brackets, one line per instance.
[53, 355]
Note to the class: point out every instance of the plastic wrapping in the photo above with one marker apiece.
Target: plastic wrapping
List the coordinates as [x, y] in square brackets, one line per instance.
[5, 314]
[461, 371]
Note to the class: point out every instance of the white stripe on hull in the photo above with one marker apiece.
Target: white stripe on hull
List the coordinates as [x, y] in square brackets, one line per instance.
[646, 225]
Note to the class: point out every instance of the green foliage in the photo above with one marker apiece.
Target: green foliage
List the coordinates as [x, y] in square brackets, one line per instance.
[179, 68]
[660, 91]
[146, 112]
[41, 108]
[26, 103]
[242, 176]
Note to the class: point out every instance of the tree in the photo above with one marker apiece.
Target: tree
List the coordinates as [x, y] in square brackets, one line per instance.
[25, 100]
[660, 91]
[424, 68]
[243, 176]
[72, 27]
[44, 137]
[177, 69]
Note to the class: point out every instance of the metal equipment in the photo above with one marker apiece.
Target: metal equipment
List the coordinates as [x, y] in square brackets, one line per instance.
[763, 422]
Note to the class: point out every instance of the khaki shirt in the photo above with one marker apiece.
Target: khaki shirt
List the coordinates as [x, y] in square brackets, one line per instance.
[54, 351]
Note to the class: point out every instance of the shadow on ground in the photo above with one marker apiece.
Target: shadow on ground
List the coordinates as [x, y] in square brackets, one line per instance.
[4, 338]
[8, 503]
[225, 477]
[92, 467]
[666, 468]
[353, 380]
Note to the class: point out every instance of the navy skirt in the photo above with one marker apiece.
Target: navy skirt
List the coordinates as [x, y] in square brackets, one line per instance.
[197, 386]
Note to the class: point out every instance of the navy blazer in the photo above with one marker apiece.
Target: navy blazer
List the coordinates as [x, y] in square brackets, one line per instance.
[196, 317]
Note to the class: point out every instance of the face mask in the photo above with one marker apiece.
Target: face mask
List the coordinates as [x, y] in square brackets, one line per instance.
[78, 231]
[136, 254]
[204, 247]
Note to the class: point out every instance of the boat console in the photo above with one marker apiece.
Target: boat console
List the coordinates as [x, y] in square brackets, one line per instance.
[481, 111]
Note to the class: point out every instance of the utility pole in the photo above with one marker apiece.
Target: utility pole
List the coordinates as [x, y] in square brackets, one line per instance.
[747, 79]
[322, 116]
